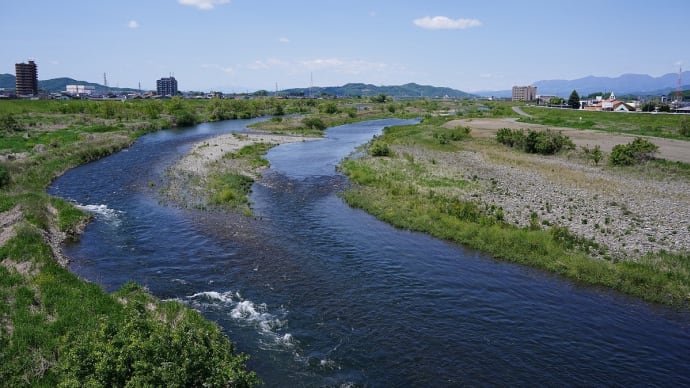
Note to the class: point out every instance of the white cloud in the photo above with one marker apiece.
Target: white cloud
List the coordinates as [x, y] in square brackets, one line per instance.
[283, 40]
[203, 4]
[445, 23]
[133, 24]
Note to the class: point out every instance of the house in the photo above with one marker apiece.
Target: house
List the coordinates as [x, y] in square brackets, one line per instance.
[610, 104]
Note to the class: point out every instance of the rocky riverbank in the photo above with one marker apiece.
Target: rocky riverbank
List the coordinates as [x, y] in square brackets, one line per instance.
[630, 212]
[188, 178]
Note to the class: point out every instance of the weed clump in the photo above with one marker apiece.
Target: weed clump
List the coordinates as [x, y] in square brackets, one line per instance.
[546, 142]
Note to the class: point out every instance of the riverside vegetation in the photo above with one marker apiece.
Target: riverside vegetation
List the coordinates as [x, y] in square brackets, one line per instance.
[56, 329]
[438, 179]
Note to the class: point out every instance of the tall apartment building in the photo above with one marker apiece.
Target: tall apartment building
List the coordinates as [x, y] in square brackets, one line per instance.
[524, 93]
[166, 86]
[27, 79]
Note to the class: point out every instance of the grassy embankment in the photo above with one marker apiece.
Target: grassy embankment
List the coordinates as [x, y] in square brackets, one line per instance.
[641, 124]
[403, 183]
[56, 329]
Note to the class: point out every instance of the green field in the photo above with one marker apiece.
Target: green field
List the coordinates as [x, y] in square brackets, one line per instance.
[634, 123]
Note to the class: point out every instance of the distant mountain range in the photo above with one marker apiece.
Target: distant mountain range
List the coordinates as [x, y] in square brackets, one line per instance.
[626, 84]
[411, 90]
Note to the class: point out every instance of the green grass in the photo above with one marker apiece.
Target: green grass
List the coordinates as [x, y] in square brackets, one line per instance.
[57, 330]
[643, 124]
[230, 189]
[405, 194]
[253, 153]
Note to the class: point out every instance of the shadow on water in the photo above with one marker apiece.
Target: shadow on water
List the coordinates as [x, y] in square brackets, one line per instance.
[320, 294]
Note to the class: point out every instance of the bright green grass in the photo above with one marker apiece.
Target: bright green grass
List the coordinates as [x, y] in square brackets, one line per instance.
[637, 123]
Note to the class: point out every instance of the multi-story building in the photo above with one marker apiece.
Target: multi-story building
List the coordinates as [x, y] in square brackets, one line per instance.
[80, 89]
[27, 79]
[524, 93]
[166, 86]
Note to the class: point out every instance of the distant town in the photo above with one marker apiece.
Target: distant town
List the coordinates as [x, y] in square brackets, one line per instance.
[27, 87]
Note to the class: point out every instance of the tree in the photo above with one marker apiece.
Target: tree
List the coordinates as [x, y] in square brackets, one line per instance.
[574, 100]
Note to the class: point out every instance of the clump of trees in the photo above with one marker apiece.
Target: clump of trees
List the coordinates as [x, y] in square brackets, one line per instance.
[637, 151]
[546, 142]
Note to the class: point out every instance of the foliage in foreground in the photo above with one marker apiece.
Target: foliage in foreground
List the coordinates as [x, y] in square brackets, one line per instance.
[56, 330]
[401, 191]
[153, 344]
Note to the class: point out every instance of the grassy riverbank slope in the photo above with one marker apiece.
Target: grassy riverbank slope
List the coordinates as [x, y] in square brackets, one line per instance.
[623, 228]
[57, 330]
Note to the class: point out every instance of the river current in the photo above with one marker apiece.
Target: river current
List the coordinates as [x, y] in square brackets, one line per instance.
[319, 294]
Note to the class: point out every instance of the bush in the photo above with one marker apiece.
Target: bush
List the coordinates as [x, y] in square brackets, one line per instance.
[684, 127]
[185, 118]
[379, 148]
[154, 345]
[330, 108]
[445, 136]
[9, 123]
[511, 137]
[314, 123]
[546, 142]
[4, 176]
[634, 152]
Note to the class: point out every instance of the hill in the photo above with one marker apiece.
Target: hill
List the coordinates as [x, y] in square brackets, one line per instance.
[7, 81]
[365, 90]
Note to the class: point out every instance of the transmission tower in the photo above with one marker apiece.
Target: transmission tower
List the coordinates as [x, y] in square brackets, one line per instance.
[679, 91]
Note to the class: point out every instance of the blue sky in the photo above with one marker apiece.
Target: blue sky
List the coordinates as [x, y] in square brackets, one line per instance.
[247, 45]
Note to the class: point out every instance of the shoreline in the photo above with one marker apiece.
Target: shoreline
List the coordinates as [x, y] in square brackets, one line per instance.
[188, 179]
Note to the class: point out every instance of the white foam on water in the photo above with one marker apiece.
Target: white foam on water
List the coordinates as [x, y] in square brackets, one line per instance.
[111, 216]
[270, 325]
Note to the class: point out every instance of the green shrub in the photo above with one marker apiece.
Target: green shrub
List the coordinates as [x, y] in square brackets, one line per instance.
[155, 344]
[634, 152]
[379, 148]
[9, 123]
[4, 176]
[185, 118]
[511, 137]
[314, 123]
[684, 127]
[546, 142]
[445, 136]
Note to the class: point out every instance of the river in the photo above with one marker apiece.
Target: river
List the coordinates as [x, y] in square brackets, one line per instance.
[319, 294]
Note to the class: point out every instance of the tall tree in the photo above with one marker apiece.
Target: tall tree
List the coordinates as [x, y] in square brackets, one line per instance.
[574, 100]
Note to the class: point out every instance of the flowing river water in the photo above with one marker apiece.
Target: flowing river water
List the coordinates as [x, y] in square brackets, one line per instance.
[319, 294]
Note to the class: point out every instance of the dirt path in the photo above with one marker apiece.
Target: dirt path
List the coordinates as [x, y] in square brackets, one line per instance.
[669, 149]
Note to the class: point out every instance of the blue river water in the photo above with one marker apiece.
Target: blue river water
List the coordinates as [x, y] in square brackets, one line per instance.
[319, 294]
